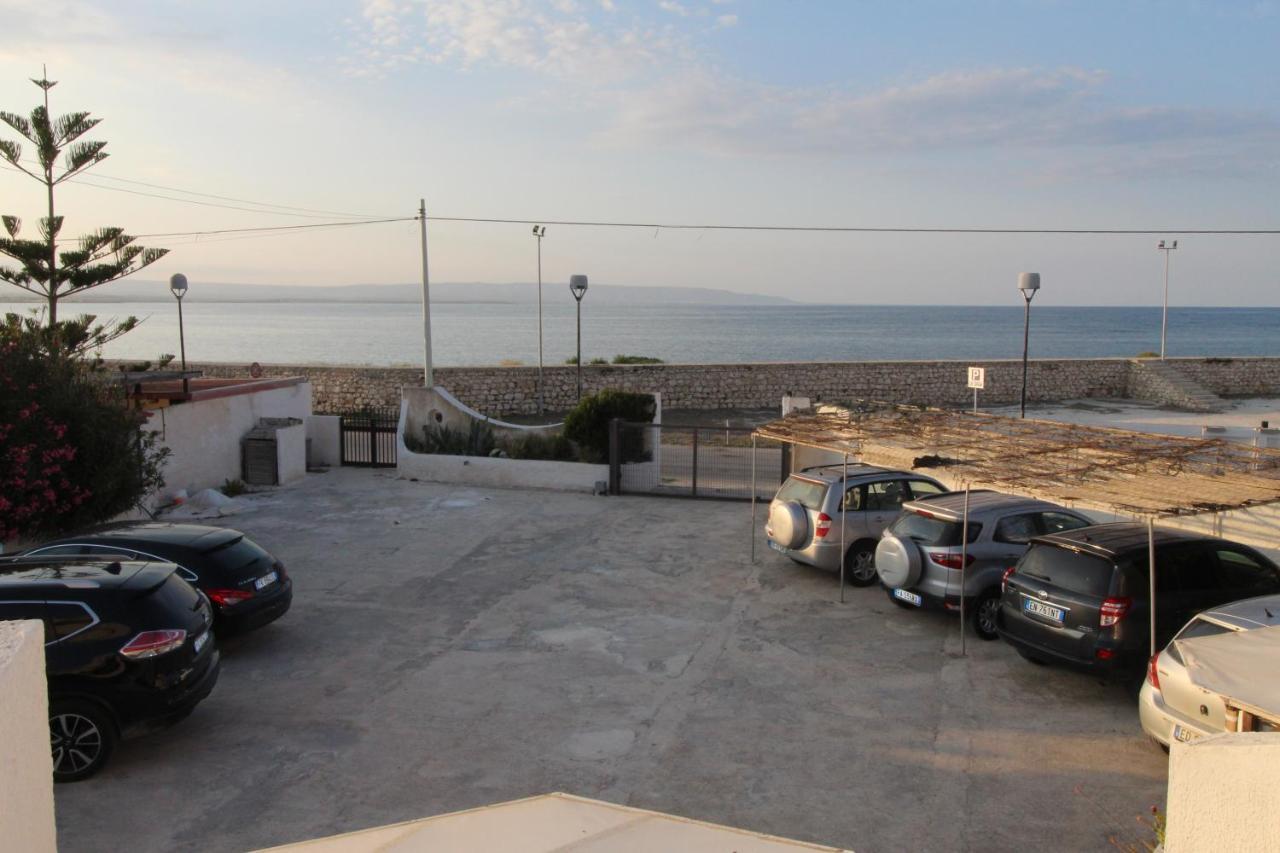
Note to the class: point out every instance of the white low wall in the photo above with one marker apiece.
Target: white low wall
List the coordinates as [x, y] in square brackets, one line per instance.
[26, 767]
[1224, 794]
[204, 435]
[500, 473]
[325, 434]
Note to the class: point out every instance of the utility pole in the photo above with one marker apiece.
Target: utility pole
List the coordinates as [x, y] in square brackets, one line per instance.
[1164, 313]
[428, 380]
[540, 231]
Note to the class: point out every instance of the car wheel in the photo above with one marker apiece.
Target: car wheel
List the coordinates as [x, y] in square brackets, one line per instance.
[82, 736]
[860, 564]
[985, 615]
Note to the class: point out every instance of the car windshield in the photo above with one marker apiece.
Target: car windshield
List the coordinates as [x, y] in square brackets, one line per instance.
[928, 530]
[807, 493]
[1067, 570]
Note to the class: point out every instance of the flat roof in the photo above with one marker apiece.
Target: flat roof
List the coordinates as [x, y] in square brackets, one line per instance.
[1130, 472]
[206, 388]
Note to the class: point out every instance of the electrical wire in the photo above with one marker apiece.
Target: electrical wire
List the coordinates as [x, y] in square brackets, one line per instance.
[278, 228]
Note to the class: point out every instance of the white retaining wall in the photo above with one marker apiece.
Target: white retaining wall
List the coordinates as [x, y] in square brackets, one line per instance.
[1224, 794]
[26, 767]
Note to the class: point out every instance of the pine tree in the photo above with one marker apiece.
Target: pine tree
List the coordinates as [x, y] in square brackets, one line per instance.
[104, 255]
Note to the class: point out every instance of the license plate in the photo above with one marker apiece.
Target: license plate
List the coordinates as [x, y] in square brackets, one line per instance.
[775, 546]
[1182, 734]
[201, 642]
[1039, 608]
[266, 580]
[909, 597]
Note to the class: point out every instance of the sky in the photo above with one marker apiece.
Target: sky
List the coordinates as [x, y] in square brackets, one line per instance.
[976, 114]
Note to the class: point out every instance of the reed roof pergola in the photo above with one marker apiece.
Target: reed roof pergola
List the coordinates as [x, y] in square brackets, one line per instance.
[1132, 473]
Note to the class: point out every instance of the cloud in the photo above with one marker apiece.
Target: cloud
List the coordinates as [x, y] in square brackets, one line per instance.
[724, 21]
[673, 7]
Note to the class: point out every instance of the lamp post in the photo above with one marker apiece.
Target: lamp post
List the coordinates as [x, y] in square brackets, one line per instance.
[1164, 313]
[540, 231]
[1028, 284]
[178, 287]
[578, 287]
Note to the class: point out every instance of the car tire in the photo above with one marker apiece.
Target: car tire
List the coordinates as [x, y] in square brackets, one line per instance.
[1032, 658]
[860, 564]
[82, 736]
[986, 612]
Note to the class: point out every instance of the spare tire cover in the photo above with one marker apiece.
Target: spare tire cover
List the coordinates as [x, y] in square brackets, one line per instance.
[897, 562]
[789, 522]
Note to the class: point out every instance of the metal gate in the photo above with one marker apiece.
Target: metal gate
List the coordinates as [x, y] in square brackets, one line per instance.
[368, 437]
[677, 460]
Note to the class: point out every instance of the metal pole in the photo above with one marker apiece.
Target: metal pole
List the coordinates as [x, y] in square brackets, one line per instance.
[1151, 580]
[964, 554]
[579, 350]
[428, 379]
[1164, 314]
[844, 484]
[541, 395]
[1026, 333]
[753, 500]
[182, 348]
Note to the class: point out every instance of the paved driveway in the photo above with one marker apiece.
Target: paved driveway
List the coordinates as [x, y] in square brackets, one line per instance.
[450, 648]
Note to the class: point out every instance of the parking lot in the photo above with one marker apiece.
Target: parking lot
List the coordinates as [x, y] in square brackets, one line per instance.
[451, 647]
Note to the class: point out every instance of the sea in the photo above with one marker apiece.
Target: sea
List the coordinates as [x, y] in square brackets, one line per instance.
[470, 333]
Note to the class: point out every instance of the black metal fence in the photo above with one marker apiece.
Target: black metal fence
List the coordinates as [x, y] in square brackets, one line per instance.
[368, 437]
[678, 460]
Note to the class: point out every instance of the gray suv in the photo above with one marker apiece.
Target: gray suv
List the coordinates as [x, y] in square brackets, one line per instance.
[919, 562]
[807, 512]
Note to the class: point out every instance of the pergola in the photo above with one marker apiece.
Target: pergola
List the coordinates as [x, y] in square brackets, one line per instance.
[1130, 473]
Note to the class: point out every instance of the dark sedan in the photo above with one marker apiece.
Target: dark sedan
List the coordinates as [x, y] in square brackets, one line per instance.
[247, 586]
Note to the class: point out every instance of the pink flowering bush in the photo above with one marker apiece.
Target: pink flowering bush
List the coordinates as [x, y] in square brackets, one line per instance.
[72, 453]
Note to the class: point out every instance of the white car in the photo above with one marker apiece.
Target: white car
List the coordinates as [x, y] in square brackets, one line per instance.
[1190, 683]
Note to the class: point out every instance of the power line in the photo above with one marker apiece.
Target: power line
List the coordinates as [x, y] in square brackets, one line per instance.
[231, 198]
[857, 229]
[275, 228]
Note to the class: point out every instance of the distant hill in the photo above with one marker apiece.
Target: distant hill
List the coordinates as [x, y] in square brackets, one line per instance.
[607, 294]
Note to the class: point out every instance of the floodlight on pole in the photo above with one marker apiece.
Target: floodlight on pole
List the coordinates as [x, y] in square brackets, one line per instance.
[1028, 284]
[578, 287]
[178, 287]
[1164, 312]
[540, 231]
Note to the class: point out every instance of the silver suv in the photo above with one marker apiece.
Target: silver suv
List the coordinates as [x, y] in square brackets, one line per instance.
[918, 558]
[807, 512]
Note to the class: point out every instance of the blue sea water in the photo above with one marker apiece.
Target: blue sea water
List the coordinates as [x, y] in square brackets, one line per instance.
[474, 333]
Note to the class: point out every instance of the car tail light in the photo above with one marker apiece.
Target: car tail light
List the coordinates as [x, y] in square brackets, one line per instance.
[228, 597]
[1153, 674]
[951, 560]
[149, 644]
[823, 527]
[924, 514]
[1113, 610]
[1104, 654]
[1004, 579]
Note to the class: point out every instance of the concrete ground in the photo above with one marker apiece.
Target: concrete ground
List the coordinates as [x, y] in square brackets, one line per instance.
[451, 647]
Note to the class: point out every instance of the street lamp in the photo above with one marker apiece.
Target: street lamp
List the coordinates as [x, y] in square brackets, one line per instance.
[178, 287]
[1028, 284]
[540, 231]
[578, 287]
[1164, 314]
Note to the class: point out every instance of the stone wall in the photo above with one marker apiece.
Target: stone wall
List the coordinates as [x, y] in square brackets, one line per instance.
[500, 391]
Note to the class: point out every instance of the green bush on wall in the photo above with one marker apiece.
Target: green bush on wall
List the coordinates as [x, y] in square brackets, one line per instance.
[588, 424]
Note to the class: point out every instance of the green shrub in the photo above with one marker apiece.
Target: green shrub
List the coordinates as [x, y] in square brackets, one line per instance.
[636, 359]
[541, 446]
[598, 360]
[476, 440]
[1148, 354]
[233, 488]
[588, 424]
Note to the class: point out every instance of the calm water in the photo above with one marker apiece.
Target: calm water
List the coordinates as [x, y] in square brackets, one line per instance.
[488, 334]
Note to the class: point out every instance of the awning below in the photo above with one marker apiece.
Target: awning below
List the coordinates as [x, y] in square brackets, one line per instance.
[1241, 665]
[554, 822]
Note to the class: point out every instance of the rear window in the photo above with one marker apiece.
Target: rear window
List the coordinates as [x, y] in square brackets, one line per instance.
[1068, 570]
[931, 531]
[1195, 628]
[174, 596]
[807, 493]
[239, 555]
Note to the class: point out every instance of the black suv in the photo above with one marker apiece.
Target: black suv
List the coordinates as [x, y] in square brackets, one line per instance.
[247, 585]
[1081, 597]
[128, 647]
